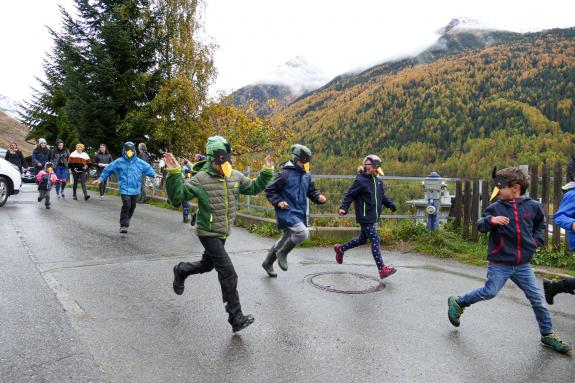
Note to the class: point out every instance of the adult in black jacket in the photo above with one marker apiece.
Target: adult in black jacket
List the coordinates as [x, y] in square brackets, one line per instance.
[40, 155]
[15, 156]
[102, 159]
[59, 158]
[368, 194]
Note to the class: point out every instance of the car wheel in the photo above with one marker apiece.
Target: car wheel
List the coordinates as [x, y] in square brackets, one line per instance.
[3, 191]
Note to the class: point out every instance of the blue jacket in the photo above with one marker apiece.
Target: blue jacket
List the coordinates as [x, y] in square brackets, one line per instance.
[129, 171]
[565, 215]
[516, 242]
[368, 194]
[294, 186]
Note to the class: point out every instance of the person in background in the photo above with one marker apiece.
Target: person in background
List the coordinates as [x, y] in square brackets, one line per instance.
[40, 155]
[15, 156]
[102, 159]
[78, 162]
[143, 155]
[59, 158]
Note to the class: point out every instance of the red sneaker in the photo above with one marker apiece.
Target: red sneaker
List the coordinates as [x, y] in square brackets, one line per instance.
[386, 271]
[338, 254]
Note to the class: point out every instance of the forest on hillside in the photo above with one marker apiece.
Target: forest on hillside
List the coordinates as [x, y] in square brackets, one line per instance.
[508, 104]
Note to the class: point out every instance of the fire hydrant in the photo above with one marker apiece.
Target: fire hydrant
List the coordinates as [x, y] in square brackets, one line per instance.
[433, 185]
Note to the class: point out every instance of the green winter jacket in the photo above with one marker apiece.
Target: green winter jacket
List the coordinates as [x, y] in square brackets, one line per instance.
[217, 196]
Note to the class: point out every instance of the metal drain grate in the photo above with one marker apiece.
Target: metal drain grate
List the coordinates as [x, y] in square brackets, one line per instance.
[346, 283]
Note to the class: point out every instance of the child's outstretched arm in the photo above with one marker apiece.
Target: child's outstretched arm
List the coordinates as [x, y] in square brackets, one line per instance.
[253, 187]
[175, 187]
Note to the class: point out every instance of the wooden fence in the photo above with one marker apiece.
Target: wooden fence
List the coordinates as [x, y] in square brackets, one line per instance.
[472, 198]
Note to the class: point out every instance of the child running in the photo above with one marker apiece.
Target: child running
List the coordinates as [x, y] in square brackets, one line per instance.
[368, 194]
[516, 227]
[46, 179]
[564, 217]
[217, 187]
[288, 193]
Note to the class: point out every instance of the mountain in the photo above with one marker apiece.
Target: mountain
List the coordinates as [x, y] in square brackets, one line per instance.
[286, 82]
[12, 130]
[8, 106]
[475, 99]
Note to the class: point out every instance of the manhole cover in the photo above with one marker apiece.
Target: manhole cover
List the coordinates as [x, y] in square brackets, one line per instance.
[347, 283]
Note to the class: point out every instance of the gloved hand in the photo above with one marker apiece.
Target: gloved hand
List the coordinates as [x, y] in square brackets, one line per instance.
[393, 208]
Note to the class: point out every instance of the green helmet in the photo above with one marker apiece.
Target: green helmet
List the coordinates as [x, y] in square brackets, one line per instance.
[217, 143]
[218, 149]
[300, 152]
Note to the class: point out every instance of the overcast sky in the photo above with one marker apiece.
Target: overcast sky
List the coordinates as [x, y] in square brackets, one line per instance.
[256, 36]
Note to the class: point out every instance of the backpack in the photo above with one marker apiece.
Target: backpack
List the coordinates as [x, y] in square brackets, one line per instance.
[45, 182]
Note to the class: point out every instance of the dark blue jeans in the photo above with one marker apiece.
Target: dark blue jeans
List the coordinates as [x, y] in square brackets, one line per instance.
[524, 278]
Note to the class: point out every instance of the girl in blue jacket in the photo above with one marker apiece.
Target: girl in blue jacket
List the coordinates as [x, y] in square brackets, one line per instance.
[368, 194]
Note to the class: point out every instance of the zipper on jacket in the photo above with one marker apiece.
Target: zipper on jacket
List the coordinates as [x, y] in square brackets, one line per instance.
[227, 206]
[375, 188]
[518, 229]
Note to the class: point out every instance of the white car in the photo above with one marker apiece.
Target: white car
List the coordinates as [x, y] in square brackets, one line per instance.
[10, 180]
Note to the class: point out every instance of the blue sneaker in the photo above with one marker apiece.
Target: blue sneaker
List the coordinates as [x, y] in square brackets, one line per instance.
[454, 310]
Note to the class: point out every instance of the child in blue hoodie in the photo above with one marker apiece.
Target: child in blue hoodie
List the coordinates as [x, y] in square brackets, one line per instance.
[369, 197]
[288, 193]
[516, 227]
[564, 217]
[130, 170]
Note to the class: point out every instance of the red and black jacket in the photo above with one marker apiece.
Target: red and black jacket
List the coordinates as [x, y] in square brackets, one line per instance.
[516, 242]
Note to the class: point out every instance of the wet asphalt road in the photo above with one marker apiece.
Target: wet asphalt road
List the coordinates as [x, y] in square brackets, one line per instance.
[80, 302]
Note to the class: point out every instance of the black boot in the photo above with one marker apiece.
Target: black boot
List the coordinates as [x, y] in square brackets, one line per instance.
[553, 288]
[268, 263]
[178, 283]
[241, 321]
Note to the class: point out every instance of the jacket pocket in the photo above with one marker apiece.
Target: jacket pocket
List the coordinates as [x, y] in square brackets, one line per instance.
[498, 247]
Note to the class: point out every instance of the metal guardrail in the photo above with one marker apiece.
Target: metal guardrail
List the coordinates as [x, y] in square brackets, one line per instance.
[248, 204]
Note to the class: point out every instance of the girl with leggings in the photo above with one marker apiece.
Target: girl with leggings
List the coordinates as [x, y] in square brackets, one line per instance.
[369, 196]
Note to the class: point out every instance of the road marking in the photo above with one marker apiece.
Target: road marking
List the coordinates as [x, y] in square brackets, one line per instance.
[68, 303]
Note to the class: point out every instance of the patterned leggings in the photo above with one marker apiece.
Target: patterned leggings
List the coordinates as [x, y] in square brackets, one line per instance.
[368, 233]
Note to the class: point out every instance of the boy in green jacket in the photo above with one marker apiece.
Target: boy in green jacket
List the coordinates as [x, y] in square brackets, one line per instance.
[217, 187]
